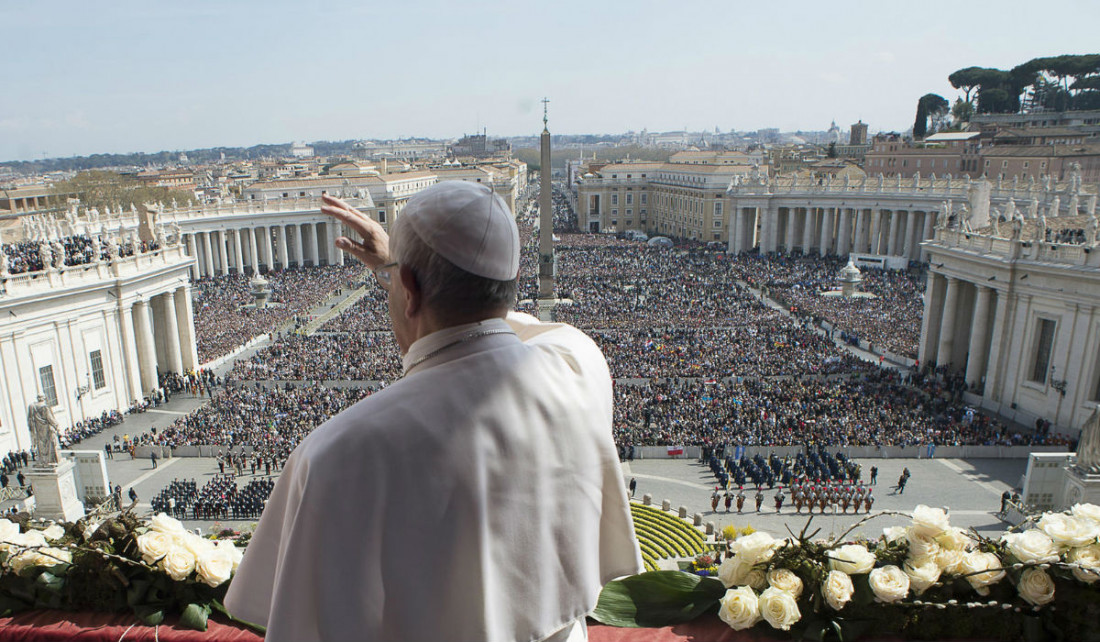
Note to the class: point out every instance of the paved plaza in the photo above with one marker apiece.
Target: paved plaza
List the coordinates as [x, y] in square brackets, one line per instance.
[970, 488]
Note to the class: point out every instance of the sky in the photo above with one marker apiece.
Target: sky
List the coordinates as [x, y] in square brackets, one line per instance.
[120, 77]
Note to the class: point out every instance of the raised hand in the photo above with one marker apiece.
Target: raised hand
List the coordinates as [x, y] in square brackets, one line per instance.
[374, 250]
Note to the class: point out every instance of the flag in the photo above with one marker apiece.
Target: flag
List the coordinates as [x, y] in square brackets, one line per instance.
[675, 450]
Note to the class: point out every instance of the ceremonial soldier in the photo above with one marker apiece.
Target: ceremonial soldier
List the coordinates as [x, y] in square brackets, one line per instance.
[779, 500]
[714, 500]
[740, 498]
[868, 502]
[759, 498]
[729, 500]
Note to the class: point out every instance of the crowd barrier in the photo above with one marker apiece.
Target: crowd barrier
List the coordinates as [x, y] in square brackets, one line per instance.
[866, 452]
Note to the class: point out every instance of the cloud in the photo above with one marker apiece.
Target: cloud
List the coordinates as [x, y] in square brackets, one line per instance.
[885, 57]
[832, 77]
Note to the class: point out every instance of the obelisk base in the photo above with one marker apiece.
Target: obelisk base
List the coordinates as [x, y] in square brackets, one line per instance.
[1081, 487]
[55, 492]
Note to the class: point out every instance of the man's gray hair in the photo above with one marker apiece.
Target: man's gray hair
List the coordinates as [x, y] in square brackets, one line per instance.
[445, 287]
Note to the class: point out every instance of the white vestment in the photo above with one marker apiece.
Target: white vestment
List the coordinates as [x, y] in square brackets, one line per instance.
[478, 498]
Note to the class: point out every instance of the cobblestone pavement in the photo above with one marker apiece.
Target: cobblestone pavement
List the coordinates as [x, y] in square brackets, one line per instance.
[969, 488]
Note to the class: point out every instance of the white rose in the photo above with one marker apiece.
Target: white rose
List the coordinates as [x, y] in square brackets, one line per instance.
[895, 533]
[1031, 547]
[757, 579]
[178, 563]
[981, 570]
[24, 560]
[734, 571]
[154, 545]
[786, 580]
[837, 589]
[948, 560]
[889, 583]
[32, 538]
[50, 556]
[1036, 586]
[1066, 531]
[215, 567]
[755, 548]
[235, 553]
[739, 608]
[929, 521]
[7, 529]
[922, 544]
[1087, 563]
[1089, 512]
[165, 524]
[924, 573]
[779, 608]
[54, 532]
[853, 559]
[953, 539]
[198, 546]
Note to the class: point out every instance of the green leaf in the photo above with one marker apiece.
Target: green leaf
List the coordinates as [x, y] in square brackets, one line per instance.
[657, 598]
[220, 608]
[149, 615]
[194, 617]
[49, 582]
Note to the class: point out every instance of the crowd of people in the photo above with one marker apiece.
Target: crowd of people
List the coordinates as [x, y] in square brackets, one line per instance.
[225, 320]
[889, 321]
[86, 428]
[220, 498]
[323, 357]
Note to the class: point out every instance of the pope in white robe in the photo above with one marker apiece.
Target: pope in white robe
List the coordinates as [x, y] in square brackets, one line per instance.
[480, 497]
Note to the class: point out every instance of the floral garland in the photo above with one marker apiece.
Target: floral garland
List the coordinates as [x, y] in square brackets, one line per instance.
[926, 580]
[152, 569]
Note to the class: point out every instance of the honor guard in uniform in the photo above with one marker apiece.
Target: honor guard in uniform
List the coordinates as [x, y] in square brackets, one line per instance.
[740, 498]
[779, 497]
[759, 498]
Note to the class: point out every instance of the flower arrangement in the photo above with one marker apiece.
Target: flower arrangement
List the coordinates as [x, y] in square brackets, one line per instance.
[118, 563]
[927, 580]
[705, 565]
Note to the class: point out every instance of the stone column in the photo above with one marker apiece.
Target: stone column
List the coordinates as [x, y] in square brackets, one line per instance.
[185, 327]
[189, 243]
[265, 247]
[770, 241]
[172, 334]
[826, 232]
[223, 251]
[947, 326]
[929, 222]
[844, 238]
[253, 252]
[130, 353]
[332, 230]
[299, 251]
[280, 242]
[807, 230]
[146, 346]
[975, 363]
[860, 245]
[238, 253]
[208, 255]
[789, 241]
[910, 235]
[992, 369]
[876, 231]
[892, 234]
[316, 235]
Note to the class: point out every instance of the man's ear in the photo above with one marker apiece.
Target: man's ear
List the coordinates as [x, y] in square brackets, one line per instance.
[411, 288]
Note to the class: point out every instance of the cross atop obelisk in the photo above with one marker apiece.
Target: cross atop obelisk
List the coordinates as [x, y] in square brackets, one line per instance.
[546, 217]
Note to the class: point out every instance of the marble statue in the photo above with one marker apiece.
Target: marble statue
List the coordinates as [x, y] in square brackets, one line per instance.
[964, 218]
[941, 221]
[44, 432]
[5, 268]
[112, 248]
[1055, 207]
[176, 233]
[995, 224]
[1046, 182]
[1033, 208]
[135, 244]
[1010, 210]
[58, 254]
[1074, 205]
[881, 180]
[916, 180]
[162, 239]
[1090, 230]
[1075, 177]
[1017, 227]
[45, 254]
[898, 186]
[97, 249]
[847, 181]
[1088, 446]
[1041, 229]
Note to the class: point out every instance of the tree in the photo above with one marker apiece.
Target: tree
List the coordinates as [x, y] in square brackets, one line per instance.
[99, 189]
[966, 79]
[929, 106]
[962, 111]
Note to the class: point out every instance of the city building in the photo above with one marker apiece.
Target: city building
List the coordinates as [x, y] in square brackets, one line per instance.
[954, 153]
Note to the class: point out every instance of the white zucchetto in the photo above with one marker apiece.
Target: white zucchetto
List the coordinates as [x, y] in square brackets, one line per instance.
[469, 225]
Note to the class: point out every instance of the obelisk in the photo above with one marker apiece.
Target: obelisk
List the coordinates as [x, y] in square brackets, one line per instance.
[547, 263]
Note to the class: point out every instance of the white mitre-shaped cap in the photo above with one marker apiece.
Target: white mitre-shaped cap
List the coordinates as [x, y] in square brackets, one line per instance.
[469, 225]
